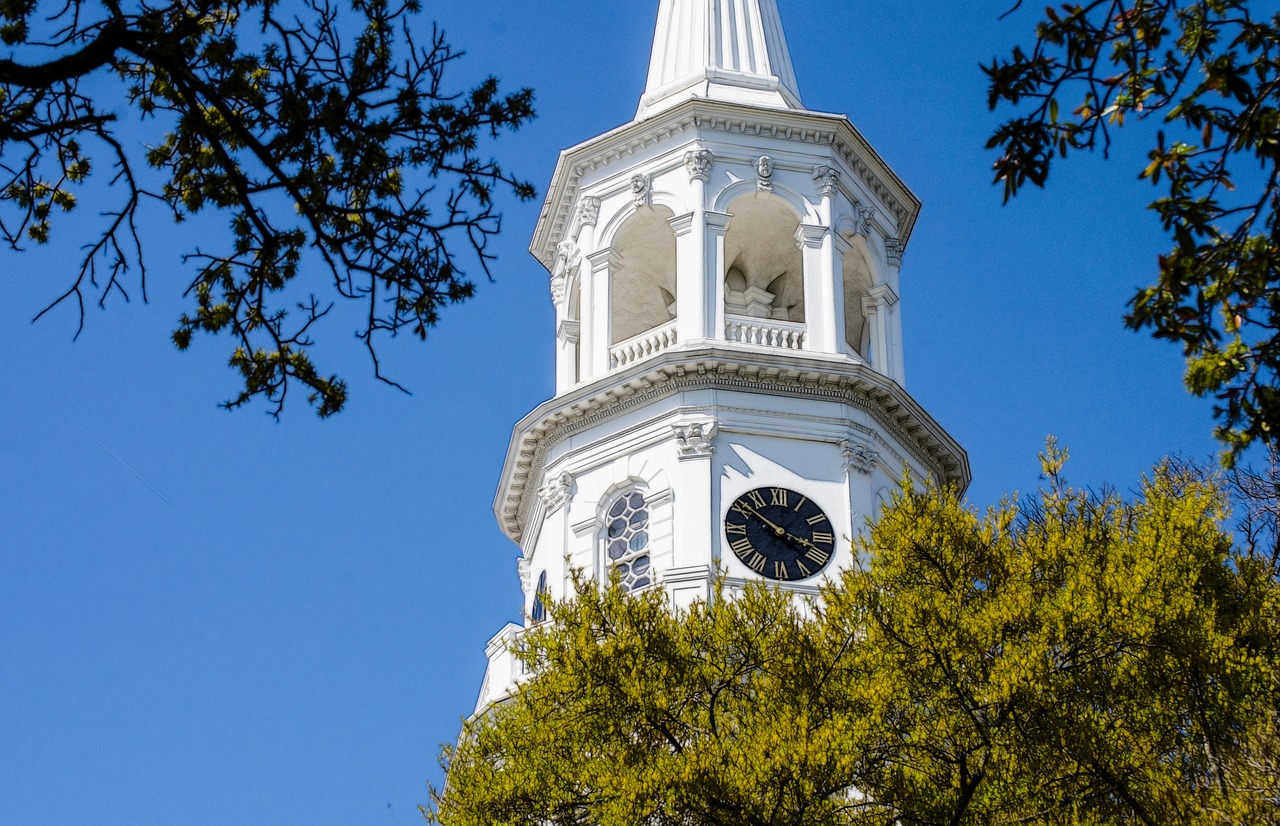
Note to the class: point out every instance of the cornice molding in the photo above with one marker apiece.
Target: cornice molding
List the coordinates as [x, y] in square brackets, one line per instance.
[679, 371]
[694, 118]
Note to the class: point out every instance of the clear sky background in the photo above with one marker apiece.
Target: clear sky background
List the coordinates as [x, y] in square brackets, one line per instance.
[285, 620]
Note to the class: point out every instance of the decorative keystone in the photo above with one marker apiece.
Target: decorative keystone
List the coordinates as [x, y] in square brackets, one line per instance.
[863, 214]
[566, 254]
[764, 173]
[641, 185]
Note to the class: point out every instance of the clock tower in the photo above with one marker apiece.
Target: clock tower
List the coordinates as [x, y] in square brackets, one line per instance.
[730, 389]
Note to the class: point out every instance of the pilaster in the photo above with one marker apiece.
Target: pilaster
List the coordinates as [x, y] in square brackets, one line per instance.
[893, 253]
[840, 247]
[694, 320]
[889, 330]
[568, 338]
[588, 216]
[713, 271]
[556, 496]
[601, 265]
[817, 248]
[695, 448]
[691, 298]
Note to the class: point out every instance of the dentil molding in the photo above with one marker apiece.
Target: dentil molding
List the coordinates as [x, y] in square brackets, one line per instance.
[705, 118]
[894, 412]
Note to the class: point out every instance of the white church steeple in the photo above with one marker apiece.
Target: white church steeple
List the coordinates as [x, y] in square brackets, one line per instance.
[729, 402]
[730, 50]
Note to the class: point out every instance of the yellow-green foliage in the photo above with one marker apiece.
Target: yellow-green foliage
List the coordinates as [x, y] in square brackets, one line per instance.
[1072, 659]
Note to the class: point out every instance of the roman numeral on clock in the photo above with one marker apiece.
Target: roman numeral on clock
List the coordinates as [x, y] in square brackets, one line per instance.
[816, 556]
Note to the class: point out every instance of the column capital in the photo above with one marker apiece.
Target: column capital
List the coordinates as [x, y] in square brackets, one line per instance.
[826, 179]
[858, 456]
[588, 212]
[697, 163]
[694, 439]
[525, 573]
[893, 249]
[556, 493]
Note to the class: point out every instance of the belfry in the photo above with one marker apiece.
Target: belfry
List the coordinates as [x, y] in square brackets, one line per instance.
[729, 396]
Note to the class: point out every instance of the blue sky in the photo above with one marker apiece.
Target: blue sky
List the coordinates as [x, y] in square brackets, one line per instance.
[211, 618]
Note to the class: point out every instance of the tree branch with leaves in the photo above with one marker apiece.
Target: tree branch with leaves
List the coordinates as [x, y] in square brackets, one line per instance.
[1208, 72]
[1074, 658]
[329, 137]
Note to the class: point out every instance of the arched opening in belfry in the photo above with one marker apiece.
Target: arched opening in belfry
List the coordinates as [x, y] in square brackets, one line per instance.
[764, 268]
[643, 282]
[858, 280]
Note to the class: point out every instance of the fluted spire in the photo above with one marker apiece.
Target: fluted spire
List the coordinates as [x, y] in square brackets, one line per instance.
[731, 50]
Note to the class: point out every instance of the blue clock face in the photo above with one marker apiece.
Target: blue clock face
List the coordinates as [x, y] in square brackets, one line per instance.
[779, 534]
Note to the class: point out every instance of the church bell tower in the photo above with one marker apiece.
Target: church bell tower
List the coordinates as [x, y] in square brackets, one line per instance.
[730, 382]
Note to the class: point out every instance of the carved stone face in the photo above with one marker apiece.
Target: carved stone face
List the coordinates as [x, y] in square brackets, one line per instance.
[639, 185]
[764, 166]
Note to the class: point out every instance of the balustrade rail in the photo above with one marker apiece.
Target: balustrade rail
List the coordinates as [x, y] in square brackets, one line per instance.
[764, 332]
[641, 347]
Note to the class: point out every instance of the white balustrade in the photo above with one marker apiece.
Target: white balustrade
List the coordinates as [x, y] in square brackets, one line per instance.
[641, 347]
[765, 332]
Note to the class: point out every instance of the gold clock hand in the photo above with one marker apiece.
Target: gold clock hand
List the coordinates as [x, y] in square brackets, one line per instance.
[805, 542]
[783, 532]
[776, 529]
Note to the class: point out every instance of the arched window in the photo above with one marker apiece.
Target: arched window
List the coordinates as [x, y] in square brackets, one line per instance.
[540, 599]
[644, 284]
[627, 541]
[764, 275]
[857, 283]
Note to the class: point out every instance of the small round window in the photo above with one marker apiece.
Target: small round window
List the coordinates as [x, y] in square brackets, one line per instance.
[627, 541]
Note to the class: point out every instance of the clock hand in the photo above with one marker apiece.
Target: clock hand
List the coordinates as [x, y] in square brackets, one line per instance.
[802, 541]
[758, 515]
[783, 532]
